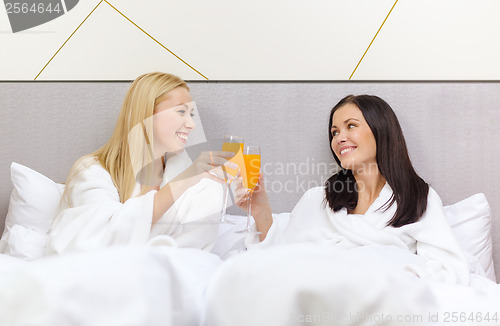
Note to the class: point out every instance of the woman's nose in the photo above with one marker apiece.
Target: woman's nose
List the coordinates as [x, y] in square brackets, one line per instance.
[190, 122]
[341, 137]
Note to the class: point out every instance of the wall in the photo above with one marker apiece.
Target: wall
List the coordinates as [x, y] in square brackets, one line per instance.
[259, 40]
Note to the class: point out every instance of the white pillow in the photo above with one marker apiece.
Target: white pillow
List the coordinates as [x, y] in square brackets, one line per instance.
[471, 222]
[32, 207]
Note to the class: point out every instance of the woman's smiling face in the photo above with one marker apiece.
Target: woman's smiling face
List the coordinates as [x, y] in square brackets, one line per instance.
[352, 139]
[173, 121]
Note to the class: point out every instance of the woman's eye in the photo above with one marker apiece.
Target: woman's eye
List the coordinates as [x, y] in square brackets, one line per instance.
[192, 115]
[182, 111]
[335, 133]
[351, 126]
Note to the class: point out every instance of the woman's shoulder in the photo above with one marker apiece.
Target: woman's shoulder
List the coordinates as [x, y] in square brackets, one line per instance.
[315, 191]
[88, 167]
[432, 195]
[311, 204]
[315, 194]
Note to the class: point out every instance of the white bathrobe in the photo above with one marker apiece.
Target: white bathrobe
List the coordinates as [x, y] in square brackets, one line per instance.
[98, 219]
[438, 254]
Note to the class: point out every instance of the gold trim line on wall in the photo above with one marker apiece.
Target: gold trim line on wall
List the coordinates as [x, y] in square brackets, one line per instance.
[394, 5]
[131, 23]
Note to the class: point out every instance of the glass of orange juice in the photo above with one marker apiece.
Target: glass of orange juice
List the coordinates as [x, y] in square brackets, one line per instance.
[251, 156]
[231, 144]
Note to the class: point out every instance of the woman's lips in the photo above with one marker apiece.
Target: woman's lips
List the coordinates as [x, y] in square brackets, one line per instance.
[346, 150]
[182, 136]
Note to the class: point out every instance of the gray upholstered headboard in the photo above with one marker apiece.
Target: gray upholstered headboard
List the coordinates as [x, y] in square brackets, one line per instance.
[451, 129]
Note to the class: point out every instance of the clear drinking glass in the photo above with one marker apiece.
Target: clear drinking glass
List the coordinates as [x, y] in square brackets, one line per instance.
[251, 156]
[231, 144]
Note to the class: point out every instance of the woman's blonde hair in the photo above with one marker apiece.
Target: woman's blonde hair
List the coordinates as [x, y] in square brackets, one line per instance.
[118, 154]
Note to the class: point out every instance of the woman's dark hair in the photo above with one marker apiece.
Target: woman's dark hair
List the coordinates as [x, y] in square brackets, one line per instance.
[409, 190]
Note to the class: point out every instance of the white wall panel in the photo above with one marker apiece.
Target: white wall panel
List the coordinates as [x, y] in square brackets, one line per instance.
[437, 40]
[109, 45]
[260, 40]
[24, 54]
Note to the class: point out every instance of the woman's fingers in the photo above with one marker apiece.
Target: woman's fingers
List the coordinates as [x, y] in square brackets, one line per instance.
[214, 164]
[225, 154]
[215, 177]
[241, 192]
[216, 158]
[222, 154]
[221, 173]
[261, 184]
[238, 184]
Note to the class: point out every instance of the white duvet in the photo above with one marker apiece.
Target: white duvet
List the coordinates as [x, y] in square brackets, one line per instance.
[136, 286]
[301, 284]
[309, 284]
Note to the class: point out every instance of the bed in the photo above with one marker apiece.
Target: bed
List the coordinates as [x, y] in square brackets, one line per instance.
[451, 131]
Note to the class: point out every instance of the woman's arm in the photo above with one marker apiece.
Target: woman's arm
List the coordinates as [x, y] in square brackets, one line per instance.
[207, 165]
[96, 218]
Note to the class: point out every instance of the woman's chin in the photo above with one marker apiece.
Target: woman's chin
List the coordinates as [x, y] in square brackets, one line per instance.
[176, 148]
[346, 165]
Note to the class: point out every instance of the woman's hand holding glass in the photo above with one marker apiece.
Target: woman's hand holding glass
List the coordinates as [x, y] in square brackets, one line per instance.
[208, 165]
[256, 203]
[260, 201]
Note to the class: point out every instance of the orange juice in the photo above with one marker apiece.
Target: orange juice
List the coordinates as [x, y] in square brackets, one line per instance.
[232, 147]
[252, 165]
[236, 148]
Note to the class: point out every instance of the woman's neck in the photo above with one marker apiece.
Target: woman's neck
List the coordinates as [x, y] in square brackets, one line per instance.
[369, 185]
[153, 181]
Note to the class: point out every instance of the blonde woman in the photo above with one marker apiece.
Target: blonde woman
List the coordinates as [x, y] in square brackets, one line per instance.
[120, 194]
